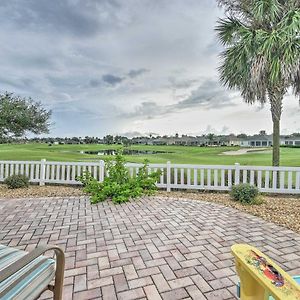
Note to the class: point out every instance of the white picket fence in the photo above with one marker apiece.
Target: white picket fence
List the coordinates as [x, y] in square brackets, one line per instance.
[173, 176]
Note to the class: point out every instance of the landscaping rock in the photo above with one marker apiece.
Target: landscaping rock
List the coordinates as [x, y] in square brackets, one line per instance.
[40, 191]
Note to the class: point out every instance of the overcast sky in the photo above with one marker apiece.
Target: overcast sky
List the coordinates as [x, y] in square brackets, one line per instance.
[125, 66]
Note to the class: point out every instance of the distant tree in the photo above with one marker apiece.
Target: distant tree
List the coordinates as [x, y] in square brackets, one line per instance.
[19, 116]
[211, 138]
[262, 55]
[242, 136]
[126, 141]
[118, 139]
[222, 140]
[108, 139]
[75, 140]
[88, 140]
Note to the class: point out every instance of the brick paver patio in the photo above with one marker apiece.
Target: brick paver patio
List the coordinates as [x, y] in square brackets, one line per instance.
[149, 249]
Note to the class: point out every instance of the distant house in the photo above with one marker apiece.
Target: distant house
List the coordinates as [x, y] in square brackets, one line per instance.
[242, 140]
[290, 140]
[160, 141]
[202, 141]
[257, 140]
[231, 140]
[142, 141]
[265, 140]
[186, 140]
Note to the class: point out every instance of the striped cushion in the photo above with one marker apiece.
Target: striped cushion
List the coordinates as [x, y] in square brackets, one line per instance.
[36, 275]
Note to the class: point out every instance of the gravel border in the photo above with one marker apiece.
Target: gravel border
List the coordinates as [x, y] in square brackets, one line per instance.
[278, 209]
[34, 191]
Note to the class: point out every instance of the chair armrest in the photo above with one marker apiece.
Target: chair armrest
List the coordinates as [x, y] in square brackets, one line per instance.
[29, 257]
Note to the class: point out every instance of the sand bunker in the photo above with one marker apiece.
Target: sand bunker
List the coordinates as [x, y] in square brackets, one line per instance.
[246, 151]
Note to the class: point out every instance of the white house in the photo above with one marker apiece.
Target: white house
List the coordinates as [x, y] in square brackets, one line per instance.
[257, 141]
[291, 140]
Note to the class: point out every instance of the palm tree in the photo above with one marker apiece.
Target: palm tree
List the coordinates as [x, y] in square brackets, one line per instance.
[262, 53]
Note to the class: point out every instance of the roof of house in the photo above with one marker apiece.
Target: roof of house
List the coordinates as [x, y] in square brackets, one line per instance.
[259, 137]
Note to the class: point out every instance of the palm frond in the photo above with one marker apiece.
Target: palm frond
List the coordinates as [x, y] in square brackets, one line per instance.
[266, 9]
[258, 74]
[262, 49]
[296, 83]
[268, 43]
[290, 60]
[235, 66]
[275, 71]
[290, 23]
[227, 30]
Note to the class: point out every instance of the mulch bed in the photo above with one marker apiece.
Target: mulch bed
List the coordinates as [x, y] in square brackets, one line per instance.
[282, 210]
[34, 191]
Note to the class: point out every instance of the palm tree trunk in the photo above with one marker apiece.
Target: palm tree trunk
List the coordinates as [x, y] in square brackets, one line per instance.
[276, 143]
[276, 96]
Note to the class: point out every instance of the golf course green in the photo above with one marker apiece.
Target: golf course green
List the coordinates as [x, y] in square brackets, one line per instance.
[161, 154]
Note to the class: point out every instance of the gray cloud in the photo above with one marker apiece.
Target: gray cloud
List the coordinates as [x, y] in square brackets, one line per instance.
[95, 82]
[147, 109]
[132, 134]
[210, 129]
[209, 95]
[213, 48]
[17, 82]
[112, 79]
[79, 18]
[137, 72]
[179, 83]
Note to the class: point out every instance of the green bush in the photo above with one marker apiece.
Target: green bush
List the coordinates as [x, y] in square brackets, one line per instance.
[290, 146]
[245, 193]
[119, 185]
[17, 181]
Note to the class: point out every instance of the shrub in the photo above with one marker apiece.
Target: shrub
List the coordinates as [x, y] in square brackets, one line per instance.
[119, 185]
[290, 146]
[17, 181]
[245, 193]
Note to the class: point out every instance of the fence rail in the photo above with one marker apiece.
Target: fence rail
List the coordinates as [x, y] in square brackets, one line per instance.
[173, 176]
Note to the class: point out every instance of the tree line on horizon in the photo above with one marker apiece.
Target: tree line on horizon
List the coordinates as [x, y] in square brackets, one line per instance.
[119, 139]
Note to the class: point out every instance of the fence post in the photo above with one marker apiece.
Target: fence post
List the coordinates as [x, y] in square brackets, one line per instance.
[101, 170]
[168, 176]
[237, 174]
[42, 172]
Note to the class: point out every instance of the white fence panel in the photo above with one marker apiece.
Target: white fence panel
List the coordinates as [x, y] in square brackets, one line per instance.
[173, 176]
[43, 171]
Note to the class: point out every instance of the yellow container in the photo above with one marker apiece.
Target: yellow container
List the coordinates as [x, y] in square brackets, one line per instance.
[260, 277]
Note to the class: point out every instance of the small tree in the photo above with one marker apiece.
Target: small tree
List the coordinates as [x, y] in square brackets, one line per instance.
[108, 139]
[118, 184]
[211, 138]
[20, 115]
[262, 55]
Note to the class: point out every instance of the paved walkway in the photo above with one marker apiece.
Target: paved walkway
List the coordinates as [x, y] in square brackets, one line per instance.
[150, 249]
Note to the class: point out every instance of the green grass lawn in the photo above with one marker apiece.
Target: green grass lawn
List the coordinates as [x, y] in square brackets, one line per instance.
[176, 154]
